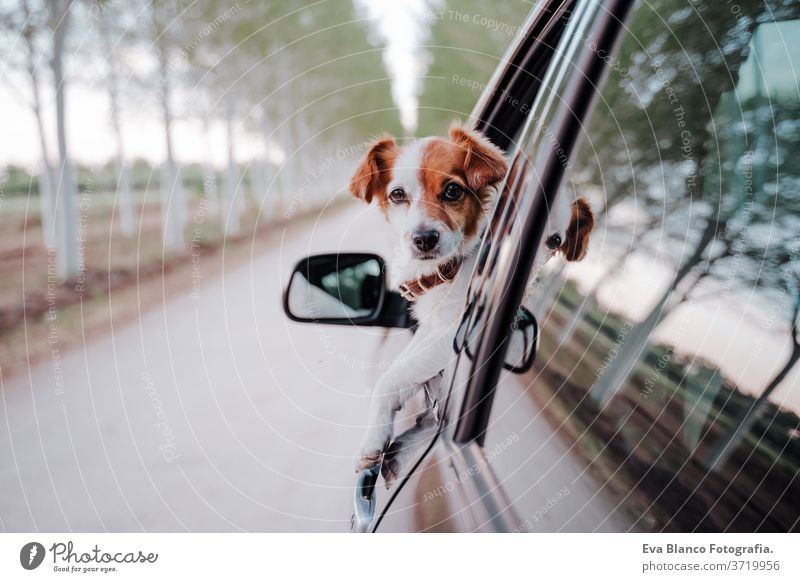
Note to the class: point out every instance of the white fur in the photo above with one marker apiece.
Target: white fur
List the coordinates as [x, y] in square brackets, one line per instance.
[438, 311]
[428, 353]
[414, 216]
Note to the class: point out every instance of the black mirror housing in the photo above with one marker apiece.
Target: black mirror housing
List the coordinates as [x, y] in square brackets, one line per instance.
[522, 340]
[344, 289]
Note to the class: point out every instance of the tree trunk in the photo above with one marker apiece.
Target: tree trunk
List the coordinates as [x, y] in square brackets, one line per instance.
[286, 199]
[127, 223]
[542, 299]
[172, 197]
[719, 453]
[67, 256]
[628, 353]
[575, 318]
[47, 209]
[569, 328]
[260, 187]
[47, 196]
[634, 343]
[232, 205]
[173, 202]
[210, 188]
[269, 206]
[591, 297]
[126, 218]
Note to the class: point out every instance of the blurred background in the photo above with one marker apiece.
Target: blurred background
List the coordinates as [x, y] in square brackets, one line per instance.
[137, 133]
[162, 166]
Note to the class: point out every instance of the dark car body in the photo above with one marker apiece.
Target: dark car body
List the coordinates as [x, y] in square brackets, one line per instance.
[664, 395]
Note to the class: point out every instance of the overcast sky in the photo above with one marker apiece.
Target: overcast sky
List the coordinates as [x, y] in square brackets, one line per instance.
[399, 25]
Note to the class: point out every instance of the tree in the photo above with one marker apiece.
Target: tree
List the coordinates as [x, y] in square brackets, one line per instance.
[467, 43]
[234, 193]
[692, 130]
[173, 201]
[67, 257]
[742, 424]
[304, 79]
[31, 26]
[109, 44]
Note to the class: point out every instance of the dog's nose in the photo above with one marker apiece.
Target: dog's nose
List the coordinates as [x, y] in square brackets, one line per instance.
[425, 240]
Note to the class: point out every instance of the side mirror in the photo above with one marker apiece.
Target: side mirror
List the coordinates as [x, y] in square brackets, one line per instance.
[344, 289]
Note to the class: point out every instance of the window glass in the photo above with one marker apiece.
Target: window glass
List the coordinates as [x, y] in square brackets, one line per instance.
[666, 388]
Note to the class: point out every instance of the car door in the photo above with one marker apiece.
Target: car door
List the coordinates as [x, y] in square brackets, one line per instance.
[451, 488]
[665, 392]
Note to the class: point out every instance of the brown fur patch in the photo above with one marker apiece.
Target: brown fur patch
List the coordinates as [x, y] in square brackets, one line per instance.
[441, 164]
[373, 175]
[484, 163]
[469, 160]
[578, 231]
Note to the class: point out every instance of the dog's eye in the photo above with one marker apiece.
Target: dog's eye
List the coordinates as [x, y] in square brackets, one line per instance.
[397, 195]
[452, 192]
[553, 242]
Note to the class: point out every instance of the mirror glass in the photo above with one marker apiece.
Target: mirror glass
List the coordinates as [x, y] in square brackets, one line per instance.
[336, 287]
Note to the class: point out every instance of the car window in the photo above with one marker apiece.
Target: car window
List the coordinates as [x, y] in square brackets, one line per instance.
[666, 391]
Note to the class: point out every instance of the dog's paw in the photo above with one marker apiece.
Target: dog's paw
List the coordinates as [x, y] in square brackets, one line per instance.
[372, 447]
[390, 469]
[368, 460]
[393, 461]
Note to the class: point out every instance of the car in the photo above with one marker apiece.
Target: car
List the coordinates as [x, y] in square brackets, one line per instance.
[657, 388]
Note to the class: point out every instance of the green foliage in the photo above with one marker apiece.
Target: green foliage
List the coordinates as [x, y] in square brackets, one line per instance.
[468, 40]
[15, 181]
[306, 64]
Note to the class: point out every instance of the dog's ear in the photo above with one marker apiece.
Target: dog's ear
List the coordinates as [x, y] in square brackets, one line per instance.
[374, 173]
[580, 227]
[484, 163]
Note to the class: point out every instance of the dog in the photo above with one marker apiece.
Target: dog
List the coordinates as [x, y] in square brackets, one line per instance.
[437, 195]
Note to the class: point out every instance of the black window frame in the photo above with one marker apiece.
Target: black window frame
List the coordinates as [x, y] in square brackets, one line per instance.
[507, 294]
[520, 73]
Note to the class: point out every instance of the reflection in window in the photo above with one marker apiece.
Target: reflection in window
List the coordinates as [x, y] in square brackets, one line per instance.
[357, 286]
[668, 357]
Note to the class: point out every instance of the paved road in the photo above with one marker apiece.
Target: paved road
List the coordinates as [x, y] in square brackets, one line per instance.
[211, 413]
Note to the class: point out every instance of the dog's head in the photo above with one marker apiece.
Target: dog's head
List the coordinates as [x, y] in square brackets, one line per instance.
[569, 225]
[434, 191]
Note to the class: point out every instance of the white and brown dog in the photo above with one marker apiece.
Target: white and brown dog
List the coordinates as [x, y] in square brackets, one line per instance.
[437, 195]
